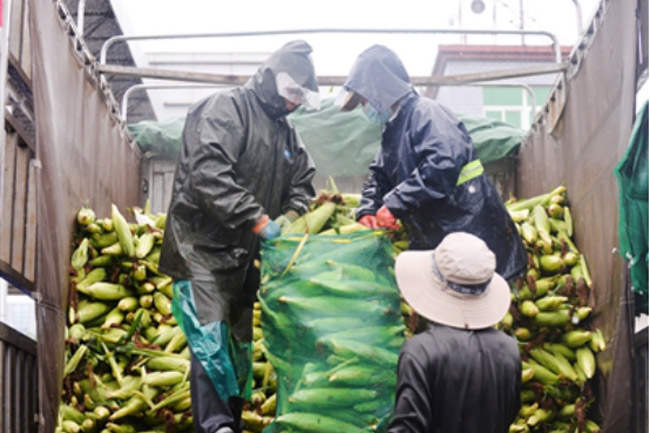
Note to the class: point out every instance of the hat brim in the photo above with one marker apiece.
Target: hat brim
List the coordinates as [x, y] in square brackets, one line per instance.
[348, 100]
[430, 298]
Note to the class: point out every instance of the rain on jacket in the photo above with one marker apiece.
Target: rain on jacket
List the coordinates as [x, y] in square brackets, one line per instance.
[457, 381]
[240, 159]
[427, 172]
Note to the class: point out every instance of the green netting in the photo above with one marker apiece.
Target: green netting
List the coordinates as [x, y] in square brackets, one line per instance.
[332, 331]
[632, 176]
[163, 138]
[340, 143]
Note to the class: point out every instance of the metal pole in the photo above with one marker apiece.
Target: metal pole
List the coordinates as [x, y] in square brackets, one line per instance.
[127, 94]
[125, 98]
[4, 56]
[234, 80]
[122, 38]
[521, 20]
[578, 16]
[81, 15]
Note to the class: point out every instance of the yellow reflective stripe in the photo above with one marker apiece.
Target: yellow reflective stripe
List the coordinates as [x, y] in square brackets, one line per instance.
[470, 171]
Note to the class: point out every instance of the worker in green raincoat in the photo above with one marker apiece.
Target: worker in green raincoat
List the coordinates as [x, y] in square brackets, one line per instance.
[242, 174]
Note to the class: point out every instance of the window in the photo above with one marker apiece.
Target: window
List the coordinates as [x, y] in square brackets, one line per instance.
[512, 105]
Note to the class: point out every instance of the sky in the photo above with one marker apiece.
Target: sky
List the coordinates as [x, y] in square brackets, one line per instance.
[334, 53]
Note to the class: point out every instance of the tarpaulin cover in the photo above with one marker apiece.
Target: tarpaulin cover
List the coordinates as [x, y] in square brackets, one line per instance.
[340, 143]
[494, 140]
[85, 156]
[632, 175]
[332, 330]
[226, 361]
[163, 138]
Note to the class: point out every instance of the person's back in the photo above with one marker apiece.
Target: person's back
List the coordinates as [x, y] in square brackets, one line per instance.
[457, 381]
[461, 375]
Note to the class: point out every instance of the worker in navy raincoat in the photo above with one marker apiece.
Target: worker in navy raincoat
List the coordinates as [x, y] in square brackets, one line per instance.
[242, 174]
[427, 173]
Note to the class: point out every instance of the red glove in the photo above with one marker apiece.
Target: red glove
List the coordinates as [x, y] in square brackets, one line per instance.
[386, 219]
[369, 221]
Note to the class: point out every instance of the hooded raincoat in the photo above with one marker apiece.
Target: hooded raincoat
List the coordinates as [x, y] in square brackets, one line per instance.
[427, 172]
[457, 381]
[240, 159]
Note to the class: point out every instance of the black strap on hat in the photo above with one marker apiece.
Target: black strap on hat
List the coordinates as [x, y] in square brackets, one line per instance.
[473, 289]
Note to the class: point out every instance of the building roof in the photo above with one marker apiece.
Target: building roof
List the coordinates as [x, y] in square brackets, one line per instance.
[100, 23]
[491, 54]
[513, 53]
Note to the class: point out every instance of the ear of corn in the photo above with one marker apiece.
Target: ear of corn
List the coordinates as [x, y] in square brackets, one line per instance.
[586, 361]
[144, 244]
[123, 231]
[80, 255]
[85, 216]
[312, 222]
[316, 423]
[107, 291]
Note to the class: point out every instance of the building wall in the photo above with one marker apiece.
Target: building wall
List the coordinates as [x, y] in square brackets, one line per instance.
[471, 100]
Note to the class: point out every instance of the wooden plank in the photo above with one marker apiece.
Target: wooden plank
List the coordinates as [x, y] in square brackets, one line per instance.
[20, 129]
[10, 391]
[19, 376]
[10, 336]
[15, 277]
[29, 266]
[20, 206]
[15, 28]
[157, 191]
[206, 77]
[26, 51]
[8, 197]
[3, 377]
[168, 185]
[32, 411]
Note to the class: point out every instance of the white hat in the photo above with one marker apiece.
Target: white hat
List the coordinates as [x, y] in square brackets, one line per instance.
[455, 284]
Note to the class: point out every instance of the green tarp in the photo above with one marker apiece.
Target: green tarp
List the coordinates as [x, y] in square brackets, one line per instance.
[162, 138]
[632, 176]
[341, 143]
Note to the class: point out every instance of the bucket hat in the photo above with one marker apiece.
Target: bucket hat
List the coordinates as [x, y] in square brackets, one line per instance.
[455, 284]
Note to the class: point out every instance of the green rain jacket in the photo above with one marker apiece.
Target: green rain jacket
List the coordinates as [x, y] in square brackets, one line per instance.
[240, 159]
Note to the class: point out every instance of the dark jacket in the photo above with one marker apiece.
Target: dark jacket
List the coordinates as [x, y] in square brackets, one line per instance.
[240, 159]
[417, 171]
[457, 381]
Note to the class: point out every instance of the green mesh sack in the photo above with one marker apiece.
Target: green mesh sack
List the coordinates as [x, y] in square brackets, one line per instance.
[332, 331]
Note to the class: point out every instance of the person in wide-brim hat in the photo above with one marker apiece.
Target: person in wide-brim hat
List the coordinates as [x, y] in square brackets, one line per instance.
[461, 374]
[455, 284]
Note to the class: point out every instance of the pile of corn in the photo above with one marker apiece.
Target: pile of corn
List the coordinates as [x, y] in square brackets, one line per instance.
[259, 411]
[549, 316]
[127, 361]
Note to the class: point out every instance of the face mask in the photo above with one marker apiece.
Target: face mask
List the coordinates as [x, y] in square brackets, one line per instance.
[375, 116]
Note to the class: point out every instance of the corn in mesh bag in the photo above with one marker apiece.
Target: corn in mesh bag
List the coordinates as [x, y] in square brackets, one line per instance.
[332, 331]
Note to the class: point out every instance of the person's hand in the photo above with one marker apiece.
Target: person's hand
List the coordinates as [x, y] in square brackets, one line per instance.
[286, 219]
[369, 221]
[386, 219]
[266, 228]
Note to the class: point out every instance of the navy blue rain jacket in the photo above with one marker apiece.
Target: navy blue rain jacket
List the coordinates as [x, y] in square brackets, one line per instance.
[415, 173]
